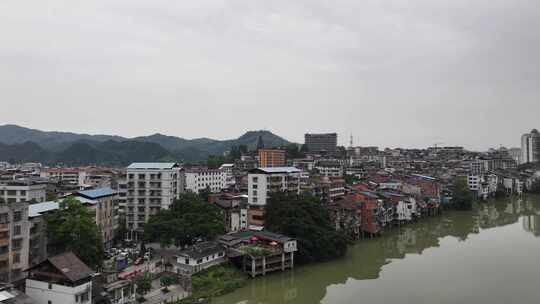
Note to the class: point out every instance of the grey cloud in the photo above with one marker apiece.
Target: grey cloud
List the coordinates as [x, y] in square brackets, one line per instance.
[393, 73]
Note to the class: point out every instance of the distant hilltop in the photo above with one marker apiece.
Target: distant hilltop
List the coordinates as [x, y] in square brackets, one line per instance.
[20, 144]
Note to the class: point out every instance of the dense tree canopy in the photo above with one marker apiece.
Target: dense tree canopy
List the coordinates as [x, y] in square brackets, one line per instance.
[143, 283]
[188, 220]
[72, 228]
[304, 218]
[293, 151]
[215, 161]
[462, 197]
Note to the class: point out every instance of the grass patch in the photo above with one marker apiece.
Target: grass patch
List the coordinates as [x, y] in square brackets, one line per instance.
[215, 281]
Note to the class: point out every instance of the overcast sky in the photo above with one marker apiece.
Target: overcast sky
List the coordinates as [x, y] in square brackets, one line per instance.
[393, 73]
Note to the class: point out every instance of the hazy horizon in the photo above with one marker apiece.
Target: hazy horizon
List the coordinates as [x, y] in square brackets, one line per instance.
[340, 140]
[393, 74]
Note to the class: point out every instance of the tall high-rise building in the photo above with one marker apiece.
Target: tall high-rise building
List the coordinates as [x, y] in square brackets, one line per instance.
[530, 147]
[150, 188]
[271, 158]
[321, 142]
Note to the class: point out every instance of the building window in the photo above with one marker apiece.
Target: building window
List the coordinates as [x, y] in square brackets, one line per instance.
[17, 216]
[255, 179]
[17, 258]
[84, 297]
[186, 261]
[50, 287]
[16, 244]
[17, 230]
[199, 261]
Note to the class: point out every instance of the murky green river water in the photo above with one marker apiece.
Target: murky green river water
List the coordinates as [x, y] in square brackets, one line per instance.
[489, 255]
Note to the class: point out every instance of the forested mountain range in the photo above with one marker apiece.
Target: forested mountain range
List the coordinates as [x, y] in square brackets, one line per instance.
[20, 144]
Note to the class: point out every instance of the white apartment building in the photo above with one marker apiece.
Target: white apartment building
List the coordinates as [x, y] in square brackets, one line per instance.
[263, 181]
[62, 279]
[483, 185]
[197, 179]
[530, 147]
[22, 191]
[329, 168]
[229, 174]
[150, 188]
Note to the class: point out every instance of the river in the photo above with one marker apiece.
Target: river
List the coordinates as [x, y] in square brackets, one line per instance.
[488, 255]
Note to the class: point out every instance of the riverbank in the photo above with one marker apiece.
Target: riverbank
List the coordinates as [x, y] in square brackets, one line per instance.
[215, 281]
[455, 258]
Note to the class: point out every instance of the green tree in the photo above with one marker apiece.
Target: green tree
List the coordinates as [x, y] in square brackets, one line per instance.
[215, 161]
[72, 228]
[51, 196]
[122, 230]
[188, 220]
[304, 218]
[462, 198]
[168, 280]
[350, 179]
[204, 194]
[143, 283]
[293, 151]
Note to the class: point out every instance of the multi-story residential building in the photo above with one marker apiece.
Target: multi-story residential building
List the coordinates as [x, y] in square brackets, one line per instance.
[329, 168]
[230, 180]
[306, 164]
[61, 279]
[530, 147]
[102, 202]
[321, 142]
[150, 188]
[515, 154]
[478, 166]
[26, 190]
[14, 241]
[38, 231]
[120, 186]
[271, 158]
[264, 181]
[72, 176]
[200, 178]
[234, 209]
[329, 189]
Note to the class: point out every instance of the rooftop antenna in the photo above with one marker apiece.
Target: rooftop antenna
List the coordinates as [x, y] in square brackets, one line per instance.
[351, 140]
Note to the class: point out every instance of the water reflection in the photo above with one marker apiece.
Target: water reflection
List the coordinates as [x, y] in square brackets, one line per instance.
[366, 259]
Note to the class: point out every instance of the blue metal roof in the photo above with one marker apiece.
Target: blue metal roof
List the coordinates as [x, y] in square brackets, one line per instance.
[97, 193]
